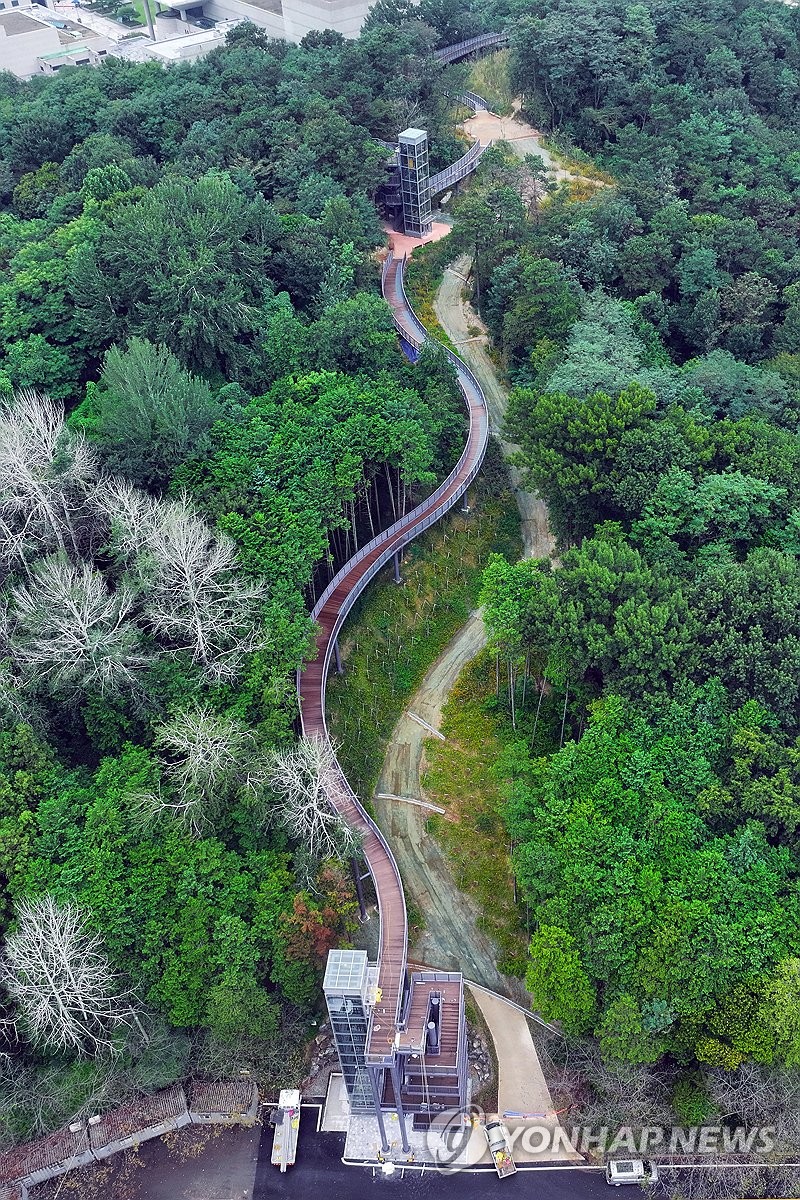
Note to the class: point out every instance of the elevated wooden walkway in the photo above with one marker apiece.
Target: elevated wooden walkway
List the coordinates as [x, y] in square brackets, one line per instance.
[329, 613]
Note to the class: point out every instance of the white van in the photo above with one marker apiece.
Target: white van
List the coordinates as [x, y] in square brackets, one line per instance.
[631, 1170]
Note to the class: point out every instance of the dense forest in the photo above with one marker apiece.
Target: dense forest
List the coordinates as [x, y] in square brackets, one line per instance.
[653, 334]
[203, 410]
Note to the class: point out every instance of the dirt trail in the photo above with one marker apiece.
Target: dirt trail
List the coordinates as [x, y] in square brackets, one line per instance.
[451, 939]
[488, 127]
[523, 138]
[471, 339]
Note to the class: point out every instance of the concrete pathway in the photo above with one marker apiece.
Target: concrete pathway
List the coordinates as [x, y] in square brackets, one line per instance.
[522, 1087]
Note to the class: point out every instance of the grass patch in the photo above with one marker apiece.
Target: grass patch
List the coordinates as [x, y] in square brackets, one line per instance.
[396, 632]
[131, 13]
[464, 777]
[576, 161]
[490, 77]
[424, 272]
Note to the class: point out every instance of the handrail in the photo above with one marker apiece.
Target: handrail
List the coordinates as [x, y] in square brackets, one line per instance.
[457, 362]
[469, 161]
[408, 520]
[387, 543]
[457, 170]
[471, 100]
[449, 54]
[379, 550]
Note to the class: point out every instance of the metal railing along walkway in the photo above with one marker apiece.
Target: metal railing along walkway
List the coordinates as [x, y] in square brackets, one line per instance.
[458, 170]
[472, 100]
[330, 612]
[469, 161]
[450, 54]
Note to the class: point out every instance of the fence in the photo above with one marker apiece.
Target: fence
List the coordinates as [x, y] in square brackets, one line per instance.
[458, 170]
[225, 1102]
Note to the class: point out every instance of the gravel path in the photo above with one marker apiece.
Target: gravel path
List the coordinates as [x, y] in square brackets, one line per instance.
[451, 939]
[488, 127]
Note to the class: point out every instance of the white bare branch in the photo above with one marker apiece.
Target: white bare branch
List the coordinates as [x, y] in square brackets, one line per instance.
[56, 970]
[207, 756]
[195, 598]
[308, 781]
[128, 513]
[44, 471]
[67, 628]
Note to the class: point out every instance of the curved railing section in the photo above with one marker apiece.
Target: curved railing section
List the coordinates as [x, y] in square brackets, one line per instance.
[472, 100]
[450, 54]
[458, 170]
[330, 612]
[469, 161]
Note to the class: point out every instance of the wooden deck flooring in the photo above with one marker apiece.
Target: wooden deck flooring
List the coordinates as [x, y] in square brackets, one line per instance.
[349, 582]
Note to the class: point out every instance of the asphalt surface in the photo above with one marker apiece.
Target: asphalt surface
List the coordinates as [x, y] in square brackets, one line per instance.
[319, 1174]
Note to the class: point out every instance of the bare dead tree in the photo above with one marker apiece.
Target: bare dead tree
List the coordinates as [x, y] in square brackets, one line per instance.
[733, 1181]
[307, 780]
[42, 1098]
[16, 704]
[207, 757]
[195, 599]
[761, 1095]
[65, 626]
[44, 471]
[128, 516]
[56, 970]
[613, 1094]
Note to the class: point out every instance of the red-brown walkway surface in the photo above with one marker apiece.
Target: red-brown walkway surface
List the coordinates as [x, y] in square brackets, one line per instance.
[330, 613]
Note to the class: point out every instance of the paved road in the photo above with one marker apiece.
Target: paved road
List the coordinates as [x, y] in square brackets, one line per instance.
[522, 1086]
[320, 1175]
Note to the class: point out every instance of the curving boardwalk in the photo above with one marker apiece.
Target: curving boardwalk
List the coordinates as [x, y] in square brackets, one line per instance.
[473, 45]
[329, 613]
[469, 161]
[460, 168]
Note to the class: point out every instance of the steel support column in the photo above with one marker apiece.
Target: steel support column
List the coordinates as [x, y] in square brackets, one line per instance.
[357, 877]
[398, 1104]
[397, 578]
[338, 657]
[376, 1099]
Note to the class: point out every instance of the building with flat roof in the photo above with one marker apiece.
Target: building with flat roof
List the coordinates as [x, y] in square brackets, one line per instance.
[289, 20]
[187, 46]
[87, 53]
[24, 37]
